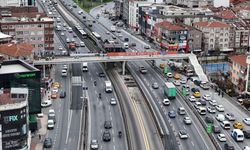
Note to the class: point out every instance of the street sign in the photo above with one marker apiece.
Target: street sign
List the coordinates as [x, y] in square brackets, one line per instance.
[209, 128]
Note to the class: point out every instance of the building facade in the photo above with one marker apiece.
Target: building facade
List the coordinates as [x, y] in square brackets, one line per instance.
[216, 35]
[17, 3]
[34, 28]
[239, 72]
[14, 118]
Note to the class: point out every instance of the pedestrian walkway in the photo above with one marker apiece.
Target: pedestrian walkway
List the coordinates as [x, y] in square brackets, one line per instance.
[197, 68]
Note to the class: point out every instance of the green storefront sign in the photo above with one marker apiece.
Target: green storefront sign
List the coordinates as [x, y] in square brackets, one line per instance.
[26, 75]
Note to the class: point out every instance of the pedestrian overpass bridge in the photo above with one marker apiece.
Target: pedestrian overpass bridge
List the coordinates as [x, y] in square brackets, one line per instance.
[123, 56]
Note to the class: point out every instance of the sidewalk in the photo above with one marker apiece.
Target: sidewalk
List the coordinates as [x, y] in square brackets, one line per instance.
[36, 143]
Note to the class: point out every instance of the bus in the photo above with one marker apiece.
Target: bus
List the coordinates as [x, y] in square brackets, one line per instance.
[81, 31]
[96, 35]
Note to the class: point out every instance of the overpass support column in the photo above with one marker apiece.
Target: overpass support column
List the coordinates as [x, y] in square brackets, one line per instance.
[123, 67]
[43, 71]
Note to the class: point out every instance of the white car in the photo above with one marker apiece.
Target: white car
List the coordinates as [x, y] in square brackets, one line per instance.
[82, 44]
[246, 148]
[54, 90]
[107, 32]
[120, 35]
[192, 99]
[50, 124]
[46, 103]
[166, 102]
[206, 97]
[52, 113]
[183, 134]
[220, 108]
[220, 117]
[247, 121]
[187, 120]
[65, 67]
[62, 34]
[94, 144]
[170, 75]
[197, 105]
[230, 116]
[60, 48]
[183, 81]
[113, 101]
[211, 110]
[213, 102]
[221, 137]
[177, 83]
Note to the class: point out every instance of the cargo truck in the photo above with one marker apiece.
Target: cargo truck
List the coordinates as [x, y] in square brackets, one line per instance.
[170, 90]
[108, 87]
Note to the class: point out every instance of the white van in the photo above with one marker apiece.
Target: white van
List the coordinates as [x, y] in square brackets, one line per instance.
[237, 135]
[64, 73]
[220, 117]
[202, 110]
[85, 67]
[181, 111]
[225, 124]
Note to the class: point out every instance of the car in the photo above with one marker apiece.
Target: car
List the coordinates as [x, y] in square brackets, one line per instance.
[209, 119]
[155, 85]
[67, 40]
[166, 102]
[246, 148]
[197, 105]
[74, 35]
[213, 102]
[197, 94]
[102, 74]
[65, 67]
[80, 12]
[94, 144]
[118, 31]
[192, 99]
[177, 83]
[55, 84]
[60, 48]
[203, 102]
[113, 101]
[246, 134]
[62, 94]
[183, 134]
[50, 124]
[195, 90]
[120, 35]
[107, 33]
[113, 37]
[220, 117]
[221, 137]
[207, 97]
[187, 120]
[238, 125]
[54, 95]
[171, 114]
[62, 34]
[162, 66]
[181, 111]
[40, 115]
[176, 76]
[220, 108]
[107, 125]
[211, 110]
[47, 143]
[169, 74]
[228, 147]
[183, 81]
[106, 136]
[247, 121]
[133, 44]
[52, 112]
[216, 129]
[82, 44]
[146, 47]
[46, 103]
[230, 116]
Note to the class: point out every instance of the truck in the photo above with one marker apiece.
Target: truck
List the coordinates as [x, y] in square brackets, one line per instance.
[72, 46]
[143, 70]
[170, 90]
[108, 87]
[113, 28]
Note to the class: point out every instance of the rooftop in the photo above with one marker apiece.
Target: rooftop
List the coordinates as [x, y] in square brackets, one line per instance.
[169, 26]
[6, 96]
[16, 50]
[16, 66]
[214, 24]
[226, 14]
[239, 59]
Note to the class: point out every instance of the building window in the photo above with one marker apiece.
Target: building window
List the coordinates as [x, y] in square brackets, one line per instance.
[39, 32]
[225, 40]
[40, 45]
[221, 40]
[33, 38]
[13, 95]
[221, 45]
[26, 32]
[19, 33]
[225, 45]
[211, 40]
[221, 34]
[11, 27]
[32, 32]
[39, 25]
[21, 95]
[4, 27]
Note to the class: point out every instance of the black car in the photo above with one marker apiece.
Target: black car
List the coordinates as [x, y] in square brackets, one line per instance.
[106, 136]
[246, 134]
[101, 74]
[216, 129]
[62, 94]
[228, 147]
[107, 125]
[84, 17]
[47, 143]
[203, 102]
[209, 119]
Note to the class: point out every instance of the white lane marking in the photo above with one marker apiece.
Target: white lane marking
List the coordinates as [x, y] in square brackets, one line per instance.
[192, 143]
[69, 123]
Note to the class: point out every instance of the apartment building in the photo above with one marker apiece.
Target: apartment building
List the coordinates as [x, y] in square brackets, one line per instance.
[239, 72]
[14, 118]
[150, 15]
[17, 3]
[193, 3]
[118, 8]
[32, 27]
[177, 37]
[216, 35]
